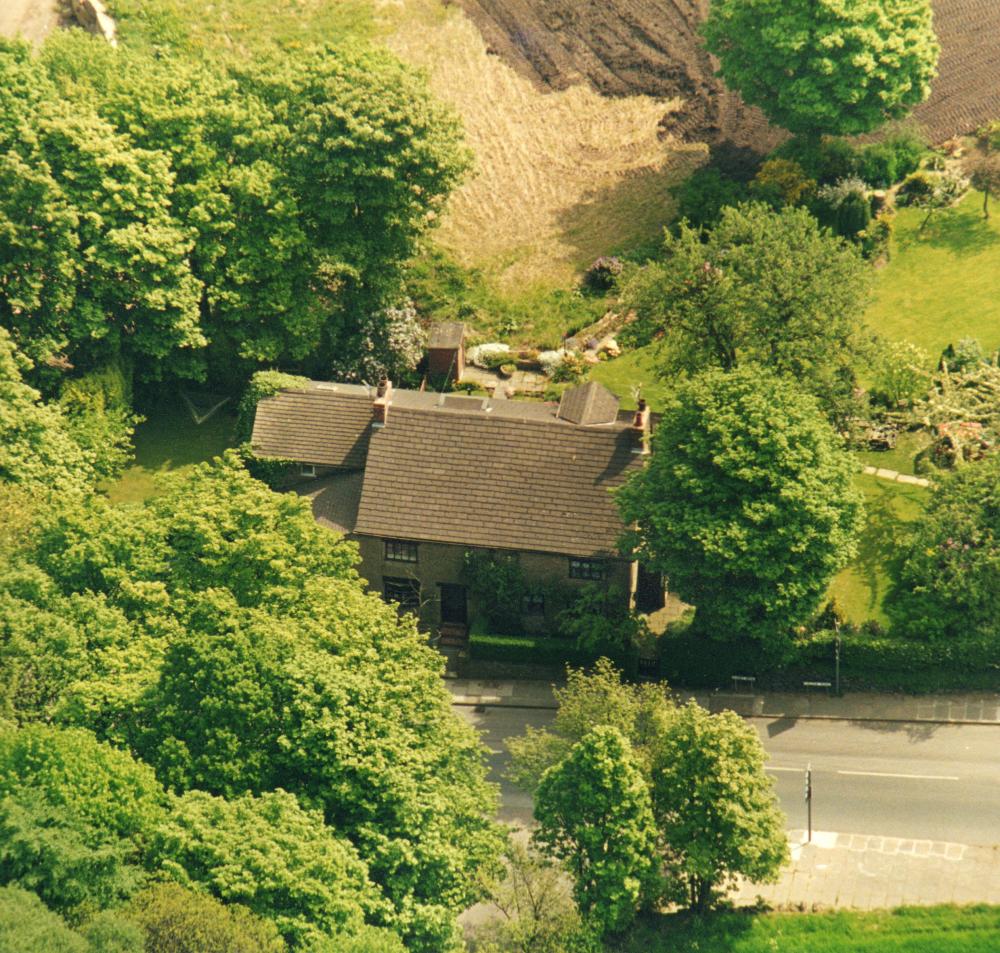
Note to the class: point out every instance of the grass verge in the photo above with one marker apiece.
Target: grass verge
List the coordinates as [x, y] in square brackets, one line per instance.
[944, 929]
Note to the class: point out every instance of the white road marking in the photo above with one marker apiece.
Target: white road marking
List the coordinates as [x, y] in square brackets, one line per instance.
[912, 777]
[774, 767]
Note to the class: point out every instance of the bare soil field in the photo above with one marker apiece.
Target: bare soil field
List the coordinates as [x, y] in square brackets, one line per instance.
[28, 19]
[652, 47]
[560, 176]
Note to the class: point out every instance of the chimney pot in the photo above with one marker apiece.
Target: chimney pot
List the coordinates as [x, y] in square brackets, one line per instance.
[380, 406]
[640, 428]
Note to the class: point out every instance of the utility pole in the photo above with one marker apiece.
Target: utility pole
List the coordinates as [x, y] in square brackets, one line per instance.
[809, 803]
[836, 656]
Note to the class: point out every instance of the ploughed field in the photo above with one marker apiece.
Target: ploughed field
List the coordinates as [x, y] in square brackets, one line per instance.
[652, 47]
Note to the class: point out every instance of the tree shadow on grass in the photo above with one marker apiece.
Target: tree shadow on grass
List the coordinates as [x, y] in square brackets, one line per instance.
[627, 216]
[686, 933]
[960, 230]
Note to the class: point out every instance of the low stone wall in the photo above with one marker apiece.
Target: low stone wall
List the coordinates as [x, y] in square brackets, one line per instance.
[93, 16]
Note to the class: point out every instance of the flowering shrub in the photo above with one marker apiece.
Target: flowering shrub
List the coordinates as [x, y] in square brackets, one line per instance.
[488, 355]
[389, 343]
[550, 360]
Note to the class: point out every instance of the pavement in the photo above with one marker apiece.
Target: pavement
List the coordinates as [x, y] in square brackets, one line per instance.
[979, 708]
[906, 789]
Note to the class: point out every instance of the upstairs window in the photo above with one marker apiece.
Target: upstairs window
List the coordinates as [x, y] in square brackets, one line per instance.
[400, 551]
[592, 569]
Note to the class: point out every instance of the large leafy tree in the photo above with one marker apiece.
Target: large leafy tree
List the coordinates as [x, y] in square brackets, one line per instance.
[747, 503]
[242, 654]
[37, 452]
[840, 67]
[946, 584]
[75, 817]
[174, 919]
[763, 286]
[588, 700]
[93, 261]
[594, 813]
[714, 804]
[271, 856]
[305, 181]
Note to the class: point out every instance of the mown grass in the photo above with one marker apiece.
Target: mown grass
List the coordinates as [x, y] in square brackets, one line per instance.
[860, 589]
[169, 441]
[942, 284]
[944, 929]
[633, 369]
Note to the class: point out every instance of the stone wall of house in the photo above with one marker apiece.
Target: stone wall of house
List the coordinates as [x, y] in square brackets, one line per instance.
[439, 563]
[94, 16]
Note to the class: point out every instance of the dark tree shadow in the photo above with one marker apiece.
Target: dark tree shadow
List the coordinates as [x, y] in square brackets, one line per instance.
[958, 230]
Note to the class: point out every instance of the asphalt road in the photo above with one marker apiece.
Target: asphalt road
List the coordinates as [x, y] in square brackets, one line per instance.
[30, 19]
[937, 782]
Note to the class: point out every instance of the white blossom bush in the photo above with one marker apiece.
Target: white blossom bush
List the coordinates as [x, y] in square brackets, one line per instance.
[388, 344]
[487, 355]
[550, 360]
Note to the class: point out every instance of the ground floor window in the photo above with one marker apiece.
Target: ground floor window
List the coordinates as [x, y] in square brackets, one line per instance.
[593, 569]
[404, 591]
[533, 604]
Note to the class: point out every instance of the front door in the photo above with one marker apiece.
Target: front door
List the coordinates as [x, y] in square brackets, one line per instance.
[454, 610]
[649, 595]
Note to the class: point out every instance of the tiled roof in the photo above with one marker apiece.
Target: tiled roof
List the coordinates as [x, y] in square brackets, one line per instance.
[473, 471]
[446, 334]
[496, 482]
[591, 403]
[324, 424]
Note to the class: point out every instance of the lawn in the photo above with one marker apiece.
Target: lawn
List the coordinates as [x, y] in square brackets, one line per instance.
[633, 369]
[170, 442]
[860, 589]
[941, 285]
[906, 930]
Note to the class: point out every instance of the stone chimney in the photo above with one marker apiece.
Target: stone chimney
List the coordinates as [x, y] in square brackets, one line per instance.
[380, 406]
[640, 429]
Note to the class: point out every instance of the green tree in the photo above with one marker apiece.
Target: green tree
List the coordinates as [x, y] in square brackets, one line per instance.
[177, 920]
[588, 700]
[75, 815]
[594, 814]
[36, 449]
[272, 857]
[946, 583]
[747, 503]
[537, 913]
[714, 804]
[306, 182]
[28, 926]
[814, 68]
[764, 286]
[94, 262]
[243, 654]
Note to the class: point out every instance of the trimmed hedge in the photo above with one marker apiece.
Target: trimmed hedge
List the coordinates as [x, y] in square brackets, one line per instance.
[540, 651]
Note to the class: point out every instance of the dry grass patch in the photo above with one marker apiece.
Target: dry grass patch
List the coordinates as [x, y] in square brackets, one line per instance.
[560, 178]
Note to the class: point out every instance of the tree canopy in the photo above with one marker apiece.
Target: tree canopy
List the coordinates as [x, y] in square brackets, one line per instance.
[946, 582]
[233, 647]
[715, 805]
[746, 504]
[209, 216]
[36, 449]
[594, 813]
[826, 67]
[763, 286]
